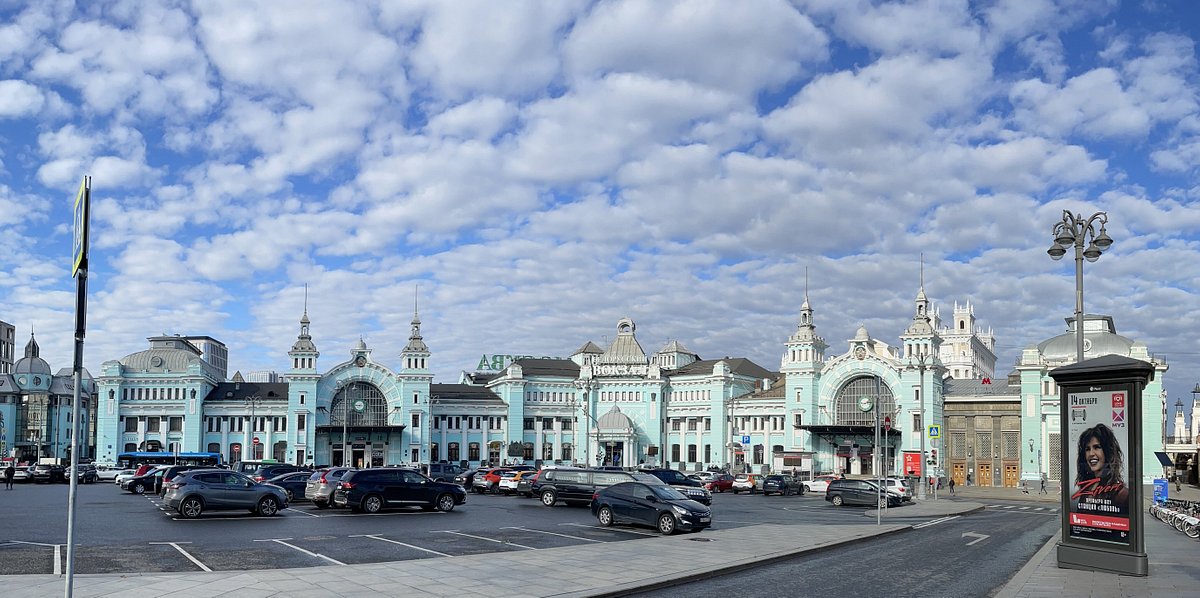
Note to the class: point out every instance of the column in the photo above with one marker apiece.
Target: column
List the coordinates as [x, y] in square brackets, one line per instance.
[558, 438]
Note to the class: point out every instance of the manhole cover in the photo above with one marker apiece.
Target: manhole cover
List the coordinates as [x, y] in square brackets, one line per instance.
[700, 539]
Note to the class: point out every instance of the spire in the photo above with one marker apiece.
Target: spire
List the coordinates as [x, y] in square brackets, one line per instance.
[415, 342]
[31, 348]
[304, 319]
[304, 342]
[922, 323]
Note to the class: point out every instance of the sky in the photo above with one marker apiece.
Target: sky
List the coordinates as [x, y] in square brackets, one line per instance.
[531, 172]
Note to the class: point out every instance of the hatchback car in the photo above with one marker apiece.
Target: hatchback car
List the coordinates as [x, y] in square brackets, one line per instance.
[782, 485]
[487, 480]
[23, 473]
[658, 505]
[321, 484]
[746, 482]
[267, 471]
[860, 492]
[293, 484]
[720, 482]
[49, 473]
[87, 473]
[525, 483]
[150, 481]
[819, 483]
[377, 488]
[193, 492]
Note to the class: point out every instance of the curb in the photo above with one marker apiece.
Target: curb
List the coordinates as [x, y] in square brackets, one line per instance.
[681, 577]
[1018, 581]
[975, 509]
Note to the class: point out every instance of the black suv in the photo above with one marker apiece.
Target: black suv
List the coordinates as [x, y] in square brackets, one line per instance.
[693, 489]
[444, 472]
[576, 486]
[782, 485]
[376, 488]
[267, 471]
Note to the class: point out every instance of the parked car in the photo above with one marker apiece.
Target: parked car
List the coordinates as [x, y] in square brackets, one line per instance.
[270, 470]
[508, 482]
[249, 467]
[720, 482]
[150, 481]
[466, 479]
[43, 473]
[746, 482]
[899, 486]
[293, 484]
[819, 483]
[107, 472]
[693, 489]
[321, 484]
[487, 480]
[444, 472]
[87, 473]
[658, 505]
[783, 485]
[577, 486]
[170, 471]
[123, 475]
[23, 473]
[703, 476]
[859, 492]
[525, 482]
[377, 488]
[195, 491]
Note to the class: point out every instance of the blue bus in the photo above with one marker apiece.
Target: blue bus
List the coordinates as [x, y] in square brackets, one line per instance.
[131, 460]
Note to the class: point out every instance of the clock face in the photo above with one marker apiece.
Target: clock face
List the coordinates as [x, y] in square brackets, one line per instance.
[360, 405]
[865, 404]
[860, 352]
[361, 361]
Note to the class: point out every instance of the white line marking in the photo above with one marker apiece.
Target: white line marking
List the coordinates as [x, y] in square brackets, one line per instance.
[613, 529]
[191, 558]
[489, 540]
[1010, 506]
[538, 531]
[58, 559]
[373, 537]
[1024, 508]
[308, 552]
[935, 522]
[993, 506]
[303, 512]
[978, 537]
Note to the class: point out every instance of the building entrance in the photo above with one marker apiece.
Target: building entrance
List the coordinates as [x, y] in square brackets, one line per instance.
[958, 473]
[1012, 475]
[985, 474]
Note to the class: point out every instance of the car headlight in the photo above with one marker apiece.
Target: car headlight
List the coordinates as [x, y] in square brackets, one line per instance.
[679, 510]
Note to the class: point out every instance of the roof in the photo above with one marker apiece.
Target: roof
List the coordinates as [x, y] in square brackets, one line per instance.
[463, 393]
[237, 392]
[161, 359]
[625, 348]
[737, 365]
[588, 347]
[974, 387]
[32, 365]
[614, 420]
[538, 366]
[776, 391]
[1100, 338]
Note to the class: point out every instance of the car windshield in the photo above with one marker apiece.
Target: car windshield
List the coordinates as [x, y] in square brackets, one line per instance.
[665, 492]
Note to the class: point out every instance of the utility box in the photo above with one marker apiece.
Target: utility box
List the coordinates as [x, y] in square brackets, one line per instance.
[1101, 410]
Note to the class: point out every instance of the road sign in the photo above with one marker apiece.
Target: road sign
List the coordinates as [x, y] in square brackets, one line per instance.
[79, 245]
[935, 431]
[745, 440]
[237, 449]
[255, 440]
[887, 423]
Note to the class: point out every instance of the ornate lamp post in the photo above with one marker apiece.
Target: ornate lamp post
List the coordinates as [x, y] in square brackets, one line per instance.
[922, 363]
[1073, 231]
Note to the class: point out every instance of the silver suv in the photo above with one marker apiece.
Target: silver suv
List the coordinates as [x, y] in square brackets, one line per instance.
[193, 492]
[321, 484]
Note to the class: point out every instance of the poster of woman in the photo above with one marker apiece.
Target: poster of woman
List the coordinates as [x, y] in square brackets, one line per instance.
[1099, 499]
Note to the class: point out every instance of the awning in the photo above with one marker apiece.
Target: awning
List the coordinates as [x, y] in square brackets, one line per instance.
[1164, 459]
[835, 433]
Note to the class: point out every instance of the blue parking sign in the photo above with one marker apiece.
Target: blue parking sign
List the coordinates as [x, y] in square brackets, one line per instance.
[745, 440]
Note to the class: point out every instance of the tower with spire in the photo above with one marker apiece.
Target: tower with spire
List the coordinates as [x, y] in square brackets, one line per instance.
[801, 365]
[302, 380]
[921, 337]
[414, 379]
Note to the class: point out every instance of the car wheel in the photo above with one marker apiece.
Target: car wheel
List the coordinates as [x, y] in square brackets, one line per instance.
[605, 516]
[191, 507]
[548, 498]
[884, 503]
[837, 500]
[289, 495]
[268, 506]
[445, 503]
[804, 489]
[666, 524]
[372, 503]
[138, 489]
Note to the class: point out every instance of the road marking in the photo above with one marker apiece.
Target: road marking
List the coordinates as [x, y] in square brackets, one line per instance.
[1024, 508]
[488, 539]
[993, 506]
[304, 512]
[308, 552]
[57, 553]
[538, 531]
[374, 537]
[191, 558]
[613, 529]
[978, 537]
[935, 522]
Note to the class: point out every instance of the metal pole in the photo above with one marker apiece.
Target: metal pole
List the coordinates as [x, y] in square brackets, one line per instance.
[345, 428]
[875, 454]
[924, 426]
[1079, 297]
[80, 332]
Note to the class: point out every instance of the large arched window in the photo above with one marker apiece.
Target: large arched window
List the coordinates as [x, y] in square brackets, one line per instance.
[346, 403]
[848, 412]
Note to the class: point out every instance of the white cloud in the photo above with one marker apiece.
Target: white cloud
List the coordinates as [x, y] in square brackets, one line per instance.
[19, 98]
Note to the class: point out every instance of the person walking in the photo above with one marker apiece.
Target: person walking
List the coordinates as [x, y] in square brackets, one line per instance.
[968, 479]
[951, 486]
[1042, 490]
[1024, 487]
[9, 472]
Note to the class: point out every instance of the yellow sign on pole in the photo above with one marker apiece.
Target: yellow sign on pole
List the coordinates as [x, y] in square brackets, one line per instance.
[82, 209]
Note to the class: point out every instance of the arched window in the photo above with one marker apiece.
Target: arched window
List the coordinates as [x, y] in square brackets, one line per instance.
[130, 447]
[280, 451]
[214, 447]
[452, 452]
[473, 451]
[346, 403]
[758, 454]
[848, 412]
[434, 455]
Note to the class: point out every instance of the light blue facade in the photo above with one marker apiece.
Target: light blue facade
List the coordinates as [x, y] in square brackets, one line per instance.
[36, 406]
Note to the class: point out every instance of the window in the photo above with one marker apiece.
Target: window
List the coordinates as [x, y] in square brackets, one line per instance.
[527, 451]
[547, 423]
[452, 451]
[708, 453]
[798, 420]
[674, 452]
[415, 397]
[528, 423]
[708, 424]
[175, 424]
[691, 428]
[676, 425]
[152, 424]
[416, 421]
[566, 425]
[301, 420]
[437, 422]
[692, 453]
[301, 398]
[547, 451]
[917, 427]
[131, 424]
[473, 451]
[567, 455]
[433, 451]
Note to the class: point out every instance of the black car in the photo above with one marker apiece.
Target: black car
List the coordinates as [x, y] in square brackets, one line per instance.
[293, 484]
[782, 485]
[654, 504]
[577, 486]
[467, 478]
[693, 489]
[860, 492]
[151, 481]
[444, 472]
[270, 470]
[371, 490]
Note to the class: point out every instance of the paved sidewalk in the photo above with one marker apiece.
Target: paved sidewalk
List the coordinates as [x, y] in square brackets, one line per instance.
[1174, 567]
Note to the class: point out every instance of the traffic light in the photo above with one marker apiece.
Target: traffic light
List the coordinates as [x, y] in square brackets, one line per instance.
[933, 456]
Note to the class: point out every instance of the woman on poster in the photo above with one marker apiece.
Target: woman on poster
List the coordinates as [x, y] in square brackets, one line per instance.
[1099, 474]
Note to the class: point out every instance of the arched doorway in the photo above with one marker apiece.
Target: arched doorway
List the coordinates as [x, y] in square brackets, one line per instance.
[358, 405]
[857, 454]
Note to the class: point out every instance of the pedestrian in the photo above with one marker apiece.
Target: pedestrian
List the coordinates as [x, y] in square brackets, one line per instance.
[968, 479]
[951, 486]
[9, 472]
[1024, 487]
[1177, 486]
[1042, 490]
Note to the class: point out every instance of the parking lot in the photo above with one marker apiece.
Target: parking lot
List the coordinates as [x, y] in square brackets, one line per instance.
[121, 532]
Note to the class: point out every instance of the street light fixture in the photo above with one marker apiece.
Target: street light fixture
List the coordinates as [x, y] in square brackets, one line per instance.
[1073, 231]
[252, 401]
[923, 362]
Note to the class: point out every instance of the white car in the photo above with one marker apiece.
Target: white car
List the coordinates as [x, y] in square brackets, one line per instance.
[107, 472]
[819, 483]
[899, 487]
[508, 482]
[123, 475]
[746, 482]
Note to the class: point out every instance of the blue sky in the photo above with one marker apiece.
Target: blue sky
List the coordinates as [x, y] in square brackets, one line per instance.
[541, 169]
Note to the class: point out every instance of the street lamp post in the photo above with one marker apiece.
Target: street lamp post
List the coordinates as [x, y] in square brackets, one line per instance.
[1073, 231]
[921, 364]
[252, 401]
